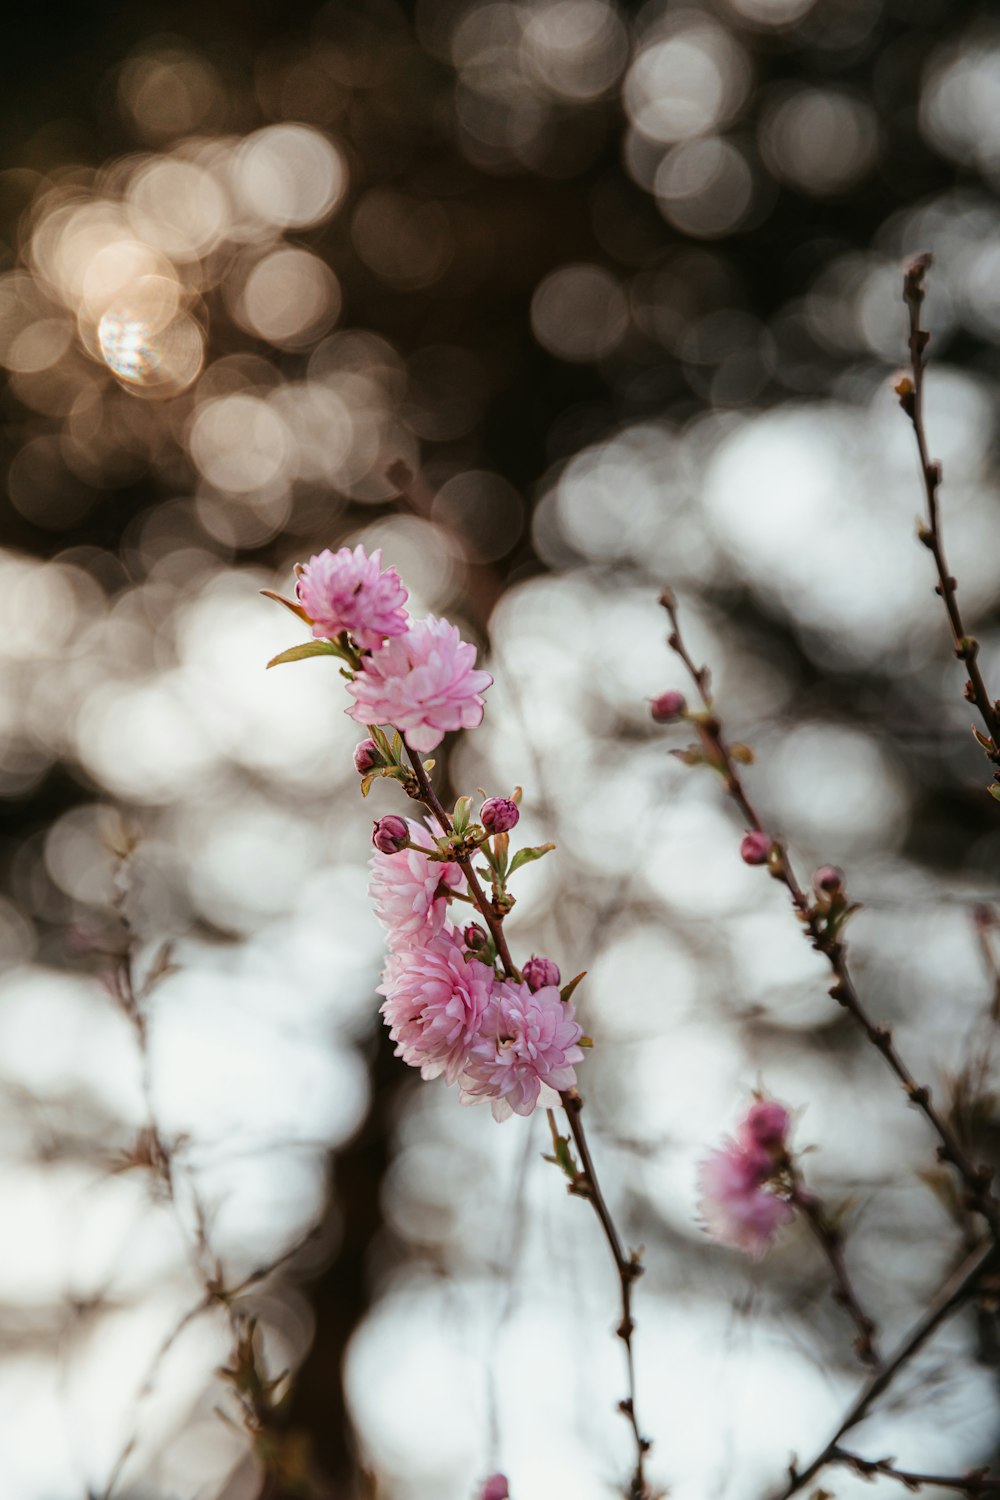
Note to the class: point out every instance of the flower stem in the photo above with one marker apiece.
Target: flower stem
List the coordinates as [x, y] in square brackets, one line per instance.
[829, 1240]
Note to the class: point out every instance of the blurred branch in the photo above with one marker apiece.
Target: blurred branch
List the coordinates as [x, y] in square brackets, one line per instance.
[823, 930]
[910, 390]
[959, 1286]
[975, 1482]
[830, 1241]
[584, 1182]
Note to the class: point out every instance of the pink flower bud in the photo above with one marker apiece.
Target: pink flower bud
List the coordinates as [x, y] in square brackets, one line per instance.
[475, 937]
[756, 847]
[390, 834]
[498, 814]
[494, 1488]
[366, 756]
[765, 1124]
[828, 880]
[668, 708]
[540, 972]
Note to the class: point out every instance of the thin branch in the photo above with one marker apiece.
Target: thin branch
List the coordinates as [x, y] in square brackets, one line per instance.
[825, 938]
[975, 1482]
[911, 398]
[959, 1286]
[586, 1184]
[829, 1239]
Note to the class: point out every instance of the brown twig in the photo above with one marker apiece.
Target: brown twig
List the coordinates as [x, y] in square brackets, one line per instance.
[960, 1285]
[829, 1239]
[586, 1184]
[910, 390]
[975, 1482]
[824, 936]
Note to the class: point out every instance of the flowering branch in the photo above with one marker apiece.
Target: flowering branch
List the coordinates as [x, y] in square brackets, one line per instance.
[456, 1003]
[959, 1286]
[823, 921]
[584, 1181]
[910, 390]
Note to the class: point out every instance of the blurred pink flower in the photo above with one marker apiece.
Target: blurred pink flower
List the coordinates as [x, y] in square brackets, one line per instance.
[434, 1003]
[347, 590]
[494, 1488]
[736, 1207]
[525, 1051]
[765, 1124]
[405, 890]
[424, 683]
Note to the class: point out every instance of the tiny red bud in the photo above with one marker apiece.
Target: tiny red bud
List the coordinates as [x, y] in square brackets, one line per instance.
[539, 973]
[828, 880]
[668, 708]
[476, 937]
[366, 756]
[499, 814]
[390, 834]
[756, 847]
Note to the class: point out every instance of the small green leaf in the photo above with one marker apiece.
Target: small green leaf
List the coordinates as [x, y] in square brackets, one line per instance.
[296, 609]
[462, 814]
[382, 742]
[366, 782]
[525, 856]
[299, 653]
[568, 988]
[397, 745]
[501, 852]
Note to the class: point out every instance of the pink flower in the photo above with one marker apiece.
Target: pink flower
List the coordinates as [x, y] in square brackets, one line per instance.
[406, 890]
[525, 1051]
[424, 683]
[736, 1207]
[765, 1124]
[494, 1488]
[755, 847]
[346, 590]
[434, 1003]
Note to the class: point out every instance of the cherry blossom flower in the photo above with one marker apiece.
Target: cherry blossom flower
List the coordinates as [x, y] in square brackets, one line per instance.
[525, 1051]
[348, 590]
[408, 890]
[737, 1205]
[434, 1003]
[494, 1488]
[424, 683]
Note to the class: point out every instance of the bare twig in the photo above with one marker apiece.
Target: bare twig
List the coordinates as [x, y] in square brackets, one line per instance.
[825, 937]
[910, 390]
[959, 1286]
[975, 1482]
[829, 1239]
[586, 1183]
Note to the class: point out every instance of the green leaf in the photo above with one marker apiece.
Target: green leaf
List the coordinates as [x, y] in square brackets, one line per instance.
[366, 782]
[462, 814]
[397, 746]
[501, 851]
[296, 609]
[308, 648]
[568, 989]
[525, 856]
[382, 742]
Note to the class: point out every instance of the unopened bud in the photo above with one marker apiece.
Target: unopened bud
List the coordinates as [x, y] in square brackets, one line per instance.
[668, 707]
[766, 1124]
[494, 1488]
[475, 937]
[539, 973]
[366, 756]
[756, 847]
[828, 880]
[498, 814]
[390, 834]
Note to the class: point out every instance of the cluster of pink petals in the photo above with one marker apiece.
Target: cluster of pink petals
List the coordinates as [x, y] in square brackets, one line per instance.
[424, 683]
[348, 590]
[434, 1004]
[494, 1488]
[525, 1051]
[406, 889]
[736, 1204]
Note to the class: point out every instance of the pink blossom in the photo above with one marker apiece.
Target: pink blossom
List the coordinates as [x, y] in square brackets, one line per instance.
[434, 1003]
[424, 683]
[494, 1488]
[406, 890]
[525, 1051]
[347, 590]
[756, 847]
[736, 1207]
[765, 1124]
